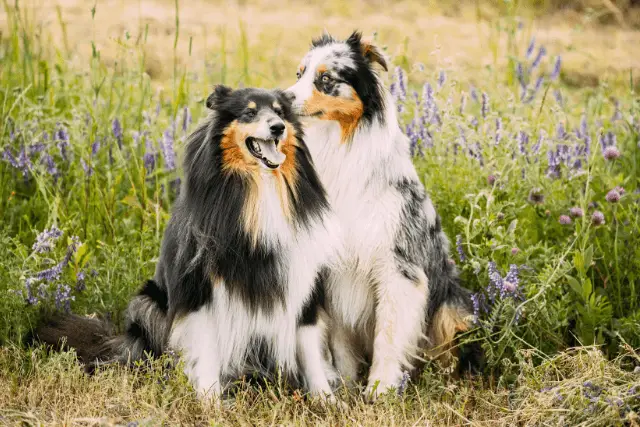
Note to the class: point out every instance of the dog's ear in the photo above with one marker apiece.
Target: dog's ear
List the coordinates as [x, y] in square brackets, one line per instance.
[219, 94]
[369, 51]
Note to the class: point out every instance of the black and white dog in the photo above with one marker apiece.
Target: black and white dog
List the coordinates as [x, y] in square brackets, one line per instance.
[236, 280]
[395, 296]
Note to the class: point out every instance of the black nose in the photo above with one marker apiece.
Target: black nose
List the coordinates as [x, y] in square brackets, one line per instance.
[277, 129]
[290, 96]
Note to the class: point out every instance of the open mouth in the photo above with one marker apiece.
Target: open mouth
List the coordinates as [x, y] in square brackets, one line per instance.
[265, 151]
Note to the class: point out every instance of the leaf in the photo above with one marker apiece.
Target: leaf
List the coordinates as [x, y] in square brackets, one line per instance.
[575, 285]
[587, 289]
[578, 262]
[512, 226]
[588, 256]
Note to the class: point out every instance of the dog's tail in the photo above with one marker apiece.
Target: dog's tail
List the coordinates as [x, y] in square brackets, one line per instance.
[449, 314]
[95, 341]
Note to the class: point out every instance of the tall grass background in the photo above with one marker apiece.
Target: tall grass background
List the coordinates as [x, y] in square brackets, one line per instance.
[536, 181]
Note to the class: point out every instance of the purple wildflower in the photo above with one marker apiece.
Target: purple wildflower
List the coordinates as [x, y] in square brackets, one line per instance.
[62, 136]
[95, 147]
[561, 133]
[477, 300]
[535, 149]
[523, 141]
[532, 45]
[442, 78]
[498, 130]
[474, 94]
[597, 218]
[485, 105]
[620, 190]
[46, 240]
[63, 297]
[50, 164]
[167, 149]
[88, 169]
[461, 254]
[24, 162]
[520, 75]
[536, 89]
[576, 212]
[558, 96]
[511, 281]
[80, 281]
[149, 157]
[515, 251]
[611, 152]
[403, 383]
[36, 148]
[116, 127]
[542, 51]
[10, 158]
[556, 68]
[491, 179]
[54, 272]
[564, 220]
[612, 196]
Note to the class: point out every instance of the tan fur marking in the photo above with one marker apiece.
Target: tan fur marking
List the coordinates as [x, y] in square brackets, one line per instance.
[276, 105]
[347, 112]
[322, 68]
[251, 104]
[236, 158]
[287, 173]
[446, 323]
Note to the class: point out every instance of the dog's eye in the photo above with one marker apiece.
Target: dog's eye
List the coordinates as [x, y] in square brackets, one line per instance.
[250, 113]
[298, 75]
[280, 113]
[325, 78]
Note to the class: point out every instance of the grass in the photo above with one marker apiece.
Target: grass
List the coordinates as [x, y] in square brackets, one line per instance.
[90, 126]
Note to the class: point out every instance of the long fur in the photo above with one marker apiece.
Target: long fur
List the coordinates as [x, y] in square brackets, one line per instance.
[395, 298]
[235, 288]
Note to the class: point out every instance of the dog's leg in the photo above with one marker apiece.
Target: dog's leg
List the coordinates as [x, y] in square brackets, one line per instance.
[346, 361]
[310, 343]
[400, 311]
[194, 336]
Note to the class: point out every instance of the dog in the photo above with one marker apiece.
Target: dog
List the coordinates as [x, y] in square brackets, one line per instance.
[235, 288]
[396, 297]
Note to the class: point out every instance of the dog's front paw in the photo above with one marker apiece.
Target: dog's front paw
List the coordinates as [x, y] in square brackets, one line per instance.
[377, 388]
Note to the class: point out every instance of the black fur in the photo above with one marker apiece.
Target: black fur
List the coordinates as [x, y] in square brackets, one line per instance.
[309, 315]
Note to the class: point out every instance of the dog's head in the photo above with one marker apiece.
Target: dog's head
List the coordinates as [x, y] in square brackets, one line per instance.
[337, 81]
[255, 126]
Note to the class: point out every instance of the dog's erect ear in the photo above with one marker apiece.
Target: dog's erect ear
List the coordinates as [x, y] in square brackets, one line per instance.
[220, 93]
[370, 51]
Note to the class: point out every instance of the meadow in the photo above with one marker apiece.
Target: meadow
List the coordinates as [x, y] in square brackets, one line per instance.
[525, 131]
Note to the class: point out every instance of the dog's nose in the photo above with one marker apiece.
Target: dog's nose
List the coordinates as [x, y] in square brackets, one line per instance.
[290, 96]
[277, 129]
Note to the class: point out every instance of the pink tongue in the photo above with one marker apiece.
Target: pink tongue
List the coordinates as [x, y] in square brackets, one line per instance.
[269, 152]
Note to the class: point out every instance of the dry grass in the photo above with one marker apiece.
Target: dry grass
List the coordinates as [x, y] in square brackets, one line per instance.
[37, 390]
[278, 33]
